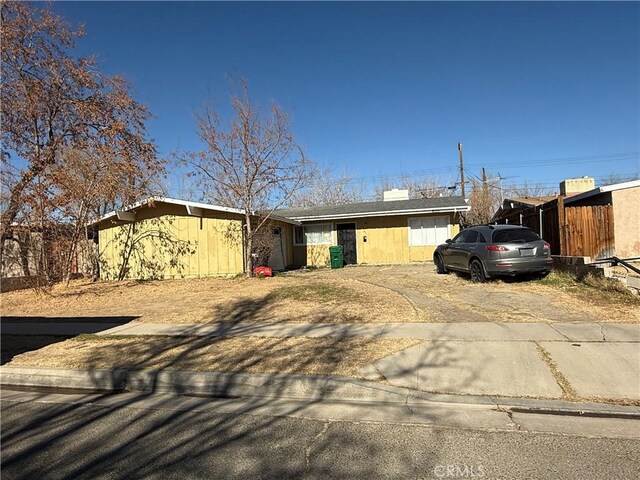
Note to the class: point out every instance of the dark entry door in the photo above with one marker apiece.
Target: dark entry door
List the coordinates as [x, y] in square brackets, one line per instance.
[347, 238]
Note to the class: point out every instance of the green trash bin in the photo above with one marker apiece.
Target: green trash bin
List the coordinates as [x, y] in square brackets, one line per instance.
[336, 256]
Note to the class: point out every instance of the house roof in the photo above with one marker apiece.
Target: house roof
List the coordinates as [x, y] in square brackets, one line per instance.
[599, 190]
[530, 201]
[376, 209]
[192, 208]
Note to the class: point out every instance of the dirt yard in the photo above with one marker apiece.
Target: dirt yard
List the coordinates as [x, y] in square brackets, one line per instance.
[371, 294]
[300, 355]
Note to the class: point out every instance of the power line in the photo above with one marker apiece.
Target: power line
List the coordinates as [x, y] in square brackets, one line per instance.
[613, 157]
[565, 160]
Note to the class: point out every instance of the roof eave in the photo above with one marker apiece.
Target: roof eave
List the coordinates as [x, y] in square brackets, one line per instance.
[341, 216]
[280, 218]
[170, 201]
[605, 189]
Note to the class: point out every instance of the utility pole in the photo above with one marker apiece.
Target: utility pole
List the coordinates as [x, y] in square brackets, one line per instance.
[461, 170]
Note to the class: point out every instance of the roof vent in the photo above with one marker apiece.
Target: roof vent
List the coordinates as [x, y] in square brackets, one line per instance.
[395, 194]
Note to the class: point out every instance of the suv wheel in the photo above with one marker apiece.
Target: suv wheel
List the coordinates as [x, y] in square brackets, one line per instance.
[440, 268]
[477, 272]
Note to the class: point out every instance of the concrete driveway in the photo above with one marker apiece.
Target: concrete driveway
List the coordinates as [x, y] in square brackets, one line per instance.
[453, 298]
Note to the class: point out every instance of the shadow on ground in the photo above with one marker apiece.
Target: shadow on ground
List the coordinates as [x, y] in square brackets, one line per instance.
[119, 320]
[106, 441]
[12, 345]
[38, 336]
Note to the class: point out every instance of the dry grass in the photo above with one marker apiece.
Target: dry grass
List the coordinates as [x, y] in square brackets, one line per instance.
[368, 294]
[280, 299]
[602, 297]
[568, 392]
[306, 356]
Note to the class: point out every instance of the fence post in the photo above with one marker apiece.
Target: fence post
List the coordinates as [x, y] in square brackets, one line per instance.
[562, 225]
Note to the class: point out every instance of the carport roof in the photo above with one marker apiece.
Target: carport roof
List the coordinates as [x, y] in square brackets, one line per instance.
[377, 209]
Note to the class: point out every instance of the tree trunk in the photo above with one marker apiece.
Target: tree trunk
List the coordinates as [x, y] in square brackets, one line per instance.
[10, 214]
[248, 245]
[26, 247]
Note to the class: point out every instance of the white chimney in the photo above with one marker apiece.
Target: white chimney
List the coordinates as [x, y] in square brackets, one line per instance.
[574, 186]
[395, 194]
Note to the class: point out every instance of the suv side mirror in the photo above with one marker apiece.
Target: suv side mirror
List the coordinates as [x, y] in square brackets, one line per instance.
[448, 240]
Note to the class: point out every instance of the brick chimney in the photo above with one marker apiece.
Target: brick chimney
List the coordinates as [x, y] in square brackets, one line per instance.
[574, 186]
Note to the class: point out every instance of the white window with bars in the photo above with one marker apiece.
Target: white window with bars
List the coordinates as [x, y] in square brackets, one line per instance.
[428, 230]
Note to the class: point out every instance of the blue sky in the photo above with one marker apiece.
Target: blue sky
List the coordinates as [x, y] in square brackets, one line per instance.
[381, 88]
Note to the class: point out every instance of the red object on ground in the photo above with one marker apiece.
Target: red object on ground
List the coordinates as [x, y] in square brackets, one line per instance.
[263, 271]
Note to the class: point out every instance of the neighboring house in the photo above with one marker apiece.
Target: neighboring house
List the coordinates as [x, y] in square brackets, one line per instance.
[582, 221]
[623, 202]
[396, 230]
[168, 238]
[32, 253]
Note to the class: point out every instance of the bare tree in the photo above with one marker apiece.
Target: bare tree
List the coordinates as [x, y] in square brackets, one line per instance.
[52, 103]
[85, 186]
[483, 202]
[254, 164]
[527, 190]
[326, 188]
[614, 178]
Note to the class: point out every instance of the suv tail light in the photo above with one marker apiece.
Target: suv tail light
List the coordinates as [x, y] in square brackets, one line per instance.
[497, 248]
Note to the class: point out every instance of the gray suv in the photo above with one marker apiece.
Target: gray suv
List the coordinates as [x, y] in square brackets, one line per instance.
[492, 250]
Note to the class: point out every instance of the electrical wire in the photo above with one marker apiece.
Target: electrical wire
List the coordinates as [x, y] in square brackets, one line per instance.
[613, 157]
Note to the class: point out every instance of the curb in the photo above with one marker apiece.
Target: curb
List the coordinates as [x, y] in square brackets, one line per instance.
[93, 380]
[292, 387]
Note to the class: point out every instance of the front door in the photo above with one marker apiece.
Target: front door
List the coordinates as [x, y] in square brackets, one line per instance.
[347, 238]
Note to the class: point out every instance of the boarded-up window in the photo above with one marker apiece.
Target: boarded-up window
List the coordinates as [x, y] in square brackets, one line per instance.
[428, 230]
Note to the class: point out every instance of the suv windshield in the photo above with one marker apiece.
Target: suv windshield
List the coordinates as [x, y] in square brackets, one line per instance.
[516, 235]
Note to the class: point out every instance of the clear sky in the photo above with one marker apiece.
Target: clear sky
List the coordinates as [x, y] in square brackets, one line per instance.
[381, 88]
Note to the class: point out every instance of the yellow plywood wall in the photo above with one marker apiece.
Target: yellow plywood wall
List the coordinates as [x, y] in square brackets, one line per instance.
[172, 246]
[387, 240]
[387, 243]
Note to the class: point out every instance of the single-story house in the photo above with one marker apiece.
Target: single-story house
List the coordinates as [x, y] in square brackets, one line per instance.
[164, 237]
[396, 230]
[169, 238]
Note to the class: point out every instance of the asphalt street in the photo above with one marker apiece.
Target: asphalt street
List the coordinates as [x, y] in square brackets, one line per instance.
[48, 437]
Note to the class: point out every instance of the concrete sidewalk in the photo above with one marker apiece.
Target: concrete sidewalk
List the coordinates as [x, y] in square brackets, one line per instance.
[473, 331]
[583, 361]
[601, 370]
[481, 331]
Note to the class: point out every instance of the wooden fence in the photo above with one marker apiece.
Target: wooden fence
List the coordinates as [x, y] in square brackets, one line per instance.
[589, 231]
[571, 231]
